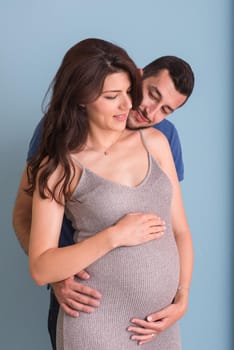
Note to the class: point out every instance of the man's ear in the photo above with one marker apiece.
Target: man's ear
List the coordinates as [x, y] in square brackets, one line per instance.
[140, 70]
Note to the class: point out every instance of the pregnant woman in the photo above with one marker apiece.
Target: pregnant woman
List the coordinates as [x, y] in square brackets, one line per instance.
[120, 190]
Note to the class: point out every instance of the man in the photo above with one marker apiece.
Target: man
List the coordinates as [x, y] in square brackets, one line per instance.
[167, 84]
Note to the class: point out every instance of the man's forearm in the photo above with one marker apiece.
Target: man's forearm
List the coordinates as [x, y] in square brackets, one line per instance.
[22, 213]
[22, 229]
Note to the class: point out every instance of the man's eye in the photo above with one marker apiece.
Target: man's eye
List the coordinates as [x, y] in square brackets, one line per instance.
[165, 111]
[156, 98]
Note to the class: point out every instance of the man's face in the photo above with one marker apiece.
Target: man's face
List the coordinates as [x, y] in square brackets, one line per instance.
[160, 98]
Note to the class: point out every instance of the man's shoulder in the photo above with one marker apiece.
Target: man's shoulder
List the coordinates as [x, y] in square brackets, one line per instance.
[169, 130]
[165, 126]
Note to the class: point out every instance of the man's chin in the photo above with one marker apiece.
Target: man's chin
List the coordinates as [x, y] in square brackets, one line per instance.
[134, 123]
[136, 126]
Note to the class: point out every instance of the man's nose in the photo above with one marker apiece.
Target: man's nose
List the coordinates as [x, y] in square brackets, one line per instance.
[151, 110]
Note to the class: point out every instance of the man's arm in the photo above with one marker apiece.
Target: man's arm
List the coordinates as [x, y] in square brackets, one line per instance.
[22, 213]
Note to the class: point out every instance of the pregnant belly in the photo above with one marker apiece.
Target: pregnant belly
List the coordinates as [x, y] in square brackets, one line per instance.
[142, 279]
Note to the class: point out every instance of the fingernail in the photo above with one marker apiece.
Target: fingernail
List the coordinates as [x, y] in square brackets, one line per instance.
[149, 318]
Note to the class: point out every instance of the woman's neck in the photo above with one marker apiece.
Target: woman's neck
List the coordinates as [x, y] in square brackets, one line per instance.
[104, 141]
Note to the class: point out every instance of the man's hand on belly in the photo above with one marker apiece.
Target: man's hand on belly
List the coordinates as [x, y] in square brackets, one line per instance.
[74, 296]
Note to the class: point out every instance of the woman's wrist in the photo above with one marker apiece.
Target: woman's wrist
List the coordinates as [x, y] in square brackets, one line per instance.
[183, 287]
[112, 237]
[182, 296]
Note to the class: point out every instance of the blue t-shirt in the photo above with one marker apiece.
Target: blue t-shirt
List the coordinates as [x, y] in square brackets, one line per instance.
[169, 130]
[165, 126]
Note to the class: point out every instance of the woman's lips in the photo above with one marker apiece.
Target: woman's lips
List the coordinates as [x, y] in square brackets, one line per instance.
[121, 117]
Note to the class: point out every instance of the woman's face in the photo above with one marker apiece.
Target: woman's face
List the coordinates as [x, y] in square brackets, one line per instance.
[110, 110]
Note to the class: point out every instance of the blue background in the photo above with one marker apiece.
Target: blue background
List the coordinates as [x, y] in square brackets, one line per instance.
[34, 36]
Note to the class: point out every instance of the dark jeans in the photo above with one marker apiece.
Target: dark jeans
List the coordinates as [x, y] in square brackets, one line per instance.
[52, 318]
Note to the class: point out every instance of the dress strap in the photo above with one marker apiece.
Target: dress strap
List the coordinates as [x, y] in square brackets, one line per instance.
[143, 139]
[76, 161]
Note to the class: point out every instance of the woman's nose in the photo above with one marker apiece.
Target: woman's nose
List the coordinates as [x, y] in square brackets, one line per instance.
[126, 102]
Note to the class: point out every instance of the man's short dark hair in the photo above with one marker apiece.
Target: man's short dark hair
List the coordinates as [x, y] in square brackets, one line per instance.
[179, 70]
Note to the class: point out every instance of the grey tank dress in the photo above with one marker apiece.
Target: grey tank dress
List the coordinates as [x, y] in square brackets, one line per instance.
[134, 281]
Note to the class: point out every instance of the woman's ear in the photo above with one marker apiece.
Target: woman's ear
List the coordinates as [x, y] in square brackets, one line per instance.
[82, 107]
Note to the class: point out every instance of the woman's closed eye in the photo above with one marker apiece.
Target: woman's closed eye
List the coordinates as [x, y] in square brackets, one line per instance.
[110, 97]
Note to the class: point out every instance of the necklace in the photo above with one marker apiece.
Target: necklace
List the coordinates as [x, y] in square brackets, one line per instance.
[106, 151]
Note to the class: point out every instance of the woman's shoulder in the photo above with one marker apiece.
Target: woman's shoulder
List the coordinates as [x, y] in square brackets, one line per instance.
[146, 132]
[154, 137]
[157, 144]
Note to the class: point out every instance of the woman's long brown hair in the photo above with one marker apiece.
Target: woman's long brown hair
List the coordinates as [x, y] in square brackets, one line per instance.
[78, 81]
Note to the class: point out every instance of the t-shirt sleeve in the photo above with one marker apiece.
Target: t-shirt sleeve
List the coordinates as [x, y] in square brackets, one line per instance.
[177, 154]
[35, 140]
[169, 130]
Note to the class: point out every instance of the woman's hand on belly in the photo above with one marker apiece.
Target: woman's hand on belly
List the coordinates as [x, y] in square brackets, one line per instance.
[146, 330]
[137, 228]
